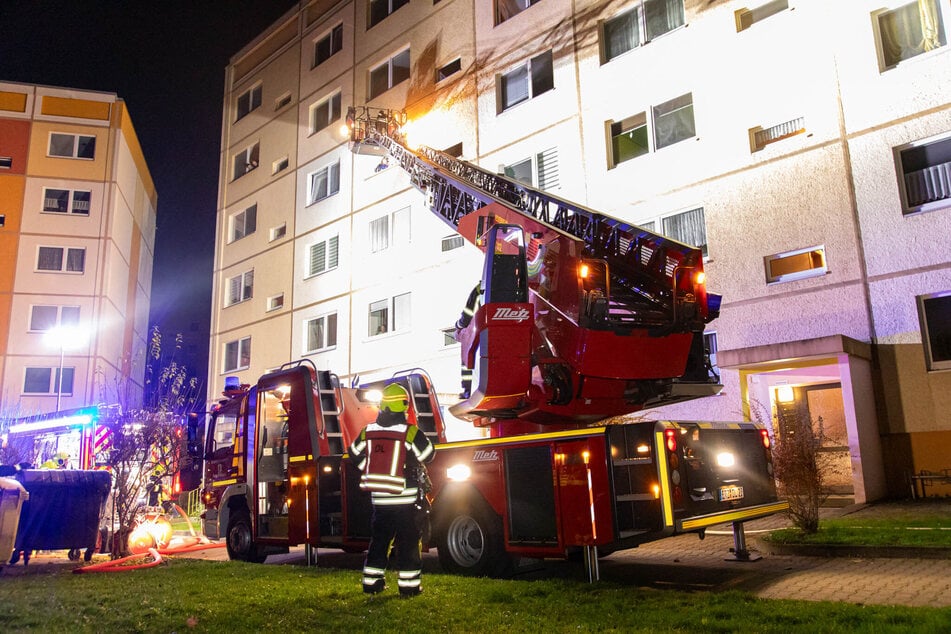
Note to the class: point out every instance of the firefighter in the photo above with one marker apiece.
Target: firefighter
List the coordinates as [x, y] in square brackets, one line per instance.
[58, 461]
[389, 453]
[473, 303]
[155, 488]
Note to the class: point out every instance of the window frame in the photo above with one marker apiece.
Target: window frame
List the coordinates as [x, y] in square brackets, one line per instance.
[398, 230]
[518, 10]
[64, 260]
[746, 18]
[251, 159]
[453, 242]
[333, 104]
[54, 385]
[643, 28]
[393, 321]
[331, 173]
[540, 63]
[327, 345]
[942, 142]
[242, 350]
[334, 39]
[254, 96]
[76, 145]
[392, 6]
[57, 317]
[943, 9]
[233, 233]
[275, 302]
[448, 69]
[71, 202]
[331, 246]
[802, 274]
[244, 286]
[278, 232]
[391, 81]
[656, 224]
[927, 332]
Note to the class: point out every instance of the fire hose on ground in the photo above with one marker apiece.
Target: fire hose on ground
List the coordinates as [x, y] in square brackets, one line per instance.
[152, 536]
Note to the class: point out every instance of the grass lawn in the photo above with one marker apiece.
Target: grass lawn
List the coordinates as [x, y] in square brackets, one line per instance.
[908, 524]
[214, 596]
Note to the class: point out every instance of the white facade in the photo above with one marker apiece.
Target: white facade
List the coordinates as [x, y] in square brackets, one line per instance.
[784, 122]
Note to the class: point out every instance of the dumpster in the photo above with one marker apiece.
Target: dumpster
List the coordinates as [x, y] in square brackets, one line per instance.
[62, 511]
[12, 496]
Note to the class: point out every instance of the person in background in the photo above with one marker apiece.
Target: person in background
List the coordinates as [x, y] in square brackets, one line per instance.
[388, 452]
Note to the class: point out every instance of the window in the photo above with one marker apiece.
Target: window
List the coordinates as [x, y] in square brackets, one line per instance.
[935, 314]
[449, 336]
[43, 318]
[380, 9]
[673, 121]
[525, 82]
[540, 170]
[328, 45]
[925, 174]
[908, 31]
[6, 162]
[72, 145]
[710, 348]
[449, 69]
[238, 355]
[505, 9]
[278, 232]
[66, 201]
[454, 150]
[323, 256]
[324, 113]
[282, 101]
[240, 288]
[247, 101]
[760, 138]
[629, 138]
[389, 73]
[795, 265]
[244, 223]
[52, 259]
[688, 227]
[280, 165]
[745, 18]
[639, 25]
[323, 183]
[45, 381]
[390, 229]
[245, 161]
[320, 333]
[390, 315]
[452, 242]
[275, 301]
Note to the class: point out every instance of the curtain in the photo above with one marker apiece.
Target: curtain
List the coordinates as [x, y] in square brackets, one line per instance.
[50, 259]
[621, 34]
[515, 87]
[910, 30]
[688, 227]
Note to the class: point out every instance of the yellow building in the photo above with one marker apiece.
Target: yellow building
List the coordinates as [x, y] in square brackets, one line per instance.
[77, 229]
[804, 145]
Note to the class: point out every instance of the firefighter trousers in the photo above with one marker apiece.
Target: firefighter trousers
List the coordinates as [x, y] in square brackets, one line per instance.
[396, 525]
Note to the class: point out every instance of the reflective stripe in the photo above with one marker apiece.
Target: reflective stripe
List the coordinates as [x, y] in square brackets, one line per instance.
[410, 574]
[370, 571]
[409, 583]
[422, 455]
[384, 499]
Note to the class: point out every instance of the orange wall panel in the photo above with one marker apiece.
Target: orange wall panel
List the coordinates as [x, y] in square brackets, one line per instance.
[80, 108]
[14, 142]
[13, 101]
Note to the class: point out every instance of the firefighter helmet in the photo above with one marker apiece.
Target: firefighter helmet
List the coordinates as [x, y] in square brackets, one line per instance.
[395, 398]
[62, 459]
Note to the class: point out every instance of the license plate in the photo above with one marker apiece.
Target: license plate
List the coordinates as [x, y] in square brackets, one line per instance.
[731, 493]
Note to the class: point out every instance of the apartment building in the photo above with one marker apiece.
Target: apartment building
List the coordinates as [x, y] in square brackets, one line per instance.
[77, 229]
[804, 145]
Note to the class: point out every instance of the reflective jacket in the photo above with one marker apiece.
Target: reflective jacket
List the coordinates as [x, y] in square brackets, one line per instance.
[387, 456]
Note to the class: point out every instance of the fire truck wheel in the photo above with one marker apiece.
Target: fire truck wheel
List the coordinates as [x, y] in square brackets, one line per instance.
[470, 541]
[239, 541]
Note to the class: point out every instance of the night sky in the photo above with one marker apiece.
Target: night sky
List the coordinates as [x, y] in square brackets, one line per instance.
[166, 60]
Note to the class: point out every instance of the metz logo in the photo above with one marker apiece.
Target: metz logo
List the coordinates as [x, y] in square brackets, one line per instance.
[481, 455]
[510, 314]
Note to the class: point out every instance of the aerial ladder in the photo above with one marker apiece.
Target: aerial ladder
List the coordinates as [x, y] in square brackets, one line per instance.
[581, 316]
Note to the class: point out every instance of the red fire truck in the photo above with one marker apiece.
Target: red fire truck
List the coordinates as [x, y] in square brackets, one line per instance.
[582, 318]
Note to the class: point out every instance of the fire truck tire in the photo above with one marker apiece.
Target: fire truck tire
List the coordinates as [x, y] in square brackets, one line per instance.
[240, 542]
[470, 541]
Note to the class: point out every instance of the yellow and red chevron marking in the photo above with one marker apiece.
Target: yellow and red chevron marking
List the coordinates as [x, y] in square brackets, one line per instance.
[102, 440]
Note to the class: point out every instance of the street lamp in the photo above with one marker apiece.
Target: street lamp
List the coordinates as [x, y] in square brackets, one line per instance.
[65, 337]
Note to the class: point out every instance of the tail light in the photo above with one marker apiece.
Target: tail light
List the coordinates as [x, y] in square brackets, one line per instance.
[765, 436]
[671, 438]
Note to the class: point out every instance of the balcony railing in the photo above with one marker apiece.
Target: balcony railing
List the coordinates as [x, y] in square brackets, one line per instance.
[928, 185]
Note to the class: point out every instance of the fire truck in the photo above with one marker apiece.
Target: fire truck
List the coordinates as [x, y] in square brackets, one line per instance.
[581, 318]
